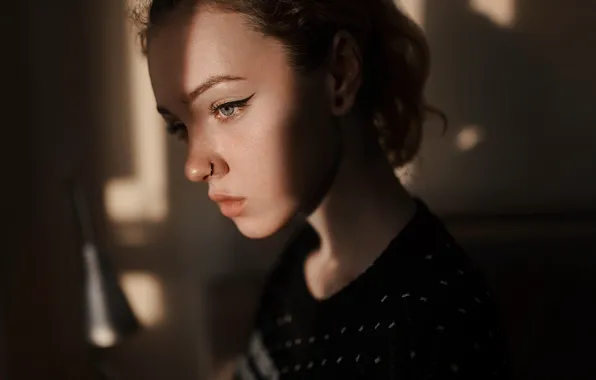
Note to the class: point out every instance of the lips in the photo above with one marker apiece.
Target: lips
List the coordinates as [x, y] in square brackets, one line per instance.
[229, 205]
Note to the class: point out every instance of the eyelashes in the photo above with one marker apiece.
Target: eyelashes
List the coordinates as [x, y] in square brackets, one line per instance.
[218, 110]
[223, 112]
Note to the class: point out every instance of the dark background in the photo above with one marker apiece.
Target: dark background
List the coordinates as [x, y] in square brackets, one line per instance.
[522, 201]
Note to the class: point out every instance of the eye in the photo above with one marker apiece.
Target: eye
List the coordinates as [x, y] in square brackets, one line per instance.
[229, 110]
[178, 129]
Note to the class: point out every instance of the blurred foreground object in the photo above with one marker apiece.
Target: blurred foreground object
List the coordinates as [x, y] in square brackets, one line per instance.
[108, 315]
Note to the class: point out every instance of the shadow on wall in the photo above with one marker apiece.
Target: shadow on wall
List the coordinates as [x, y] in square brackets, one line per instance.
[520, 101]
[546, 291]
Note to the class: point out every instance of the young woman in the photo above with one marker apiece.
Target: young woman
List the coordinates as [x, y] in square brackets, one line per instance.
[303, 107]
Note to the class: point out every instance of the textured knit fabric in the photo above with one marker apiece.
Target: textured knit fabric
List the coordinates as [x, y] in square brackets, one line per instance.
[421, 311]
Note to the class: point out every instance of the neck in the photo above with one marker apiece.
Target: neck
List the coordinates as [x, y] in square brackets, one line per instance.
[364, 209]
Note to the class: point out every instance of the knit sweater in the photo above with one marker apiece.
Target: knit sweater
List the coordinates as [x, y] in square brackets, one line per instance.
[421, 311]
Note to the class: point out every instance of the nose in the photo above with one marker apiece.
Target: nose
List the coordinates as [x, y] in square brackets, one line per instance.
[203, 161]
[198, 171]
[203, 165]
[199, 160]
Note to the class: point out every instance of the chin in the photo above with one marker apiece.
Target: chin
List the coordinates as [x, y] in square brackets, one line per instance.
[261, 227]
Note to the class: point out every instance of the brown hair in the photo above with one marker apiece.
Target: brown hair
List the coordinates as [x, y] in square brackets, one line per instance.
[395, 54]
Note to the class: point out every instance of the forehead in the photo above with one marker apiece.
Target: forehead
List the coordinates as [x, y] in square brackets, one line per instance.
[195, 44]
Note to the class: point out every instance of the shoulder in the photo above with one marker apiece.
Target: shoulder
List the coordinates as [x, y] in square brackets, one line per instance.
[451, 328]
[424, 262]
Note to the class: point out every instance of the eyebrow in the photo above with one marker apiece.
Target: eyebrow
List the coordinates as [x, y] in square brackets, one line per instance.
[200, 89]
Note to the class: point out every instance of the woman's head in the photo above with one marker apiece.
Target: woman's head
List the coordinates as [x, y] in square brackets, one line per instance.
[258, 89]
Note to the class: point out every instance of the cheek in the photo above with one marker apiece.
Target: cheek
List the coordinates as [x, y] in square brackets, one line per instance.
[312, 149]
[257, 153]
[276, 159]
[279, 152]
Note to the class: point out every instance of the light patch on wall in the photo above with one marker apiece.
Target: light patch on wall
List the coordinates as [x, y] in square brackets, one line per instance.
[501, 12]
[469, 137]
[141, 197]
[414, 9]
[144, 291]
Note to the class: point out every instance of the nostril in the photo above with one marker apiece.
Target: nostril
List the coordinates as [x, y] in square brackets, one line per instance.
[210, 172]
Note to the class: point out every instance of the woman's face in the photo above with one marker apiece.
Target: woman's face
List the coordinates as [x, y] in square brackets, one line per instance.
[260, 134]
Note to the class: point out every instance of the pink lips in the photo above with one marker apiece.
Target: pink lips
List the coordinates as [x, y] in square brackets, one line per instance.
[229, 206]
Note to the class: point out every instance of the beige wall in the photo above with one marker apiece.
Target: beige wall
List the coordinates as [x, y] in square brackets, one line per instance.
[531, 88]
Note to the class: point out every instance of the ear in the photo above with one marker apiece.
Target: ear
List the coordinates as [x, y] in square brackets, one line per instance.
[344, 73]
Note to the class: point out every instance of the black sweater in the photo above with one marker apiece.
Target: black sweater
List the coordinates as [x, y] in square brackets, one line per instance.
[421, 311]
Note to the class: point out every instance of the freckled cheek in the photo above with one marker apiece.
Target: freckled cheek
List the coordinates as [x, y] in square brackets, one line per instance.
[257, 162]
